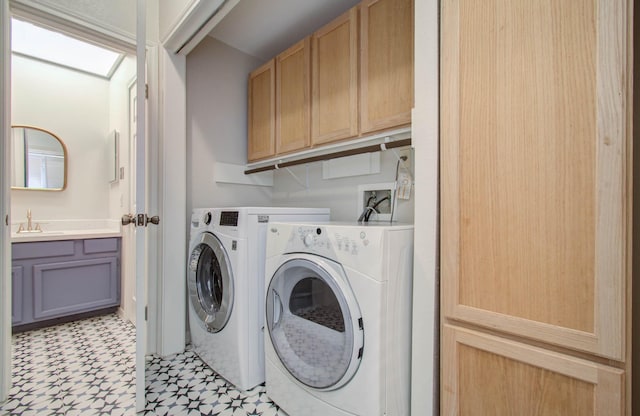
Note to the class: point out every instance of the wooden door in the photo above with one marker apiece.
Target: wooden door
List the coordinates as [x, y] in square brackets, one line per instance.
[334, 57]
[261, 113]
[492, 376]
[535, 169]
[293, 97]
[386, 64]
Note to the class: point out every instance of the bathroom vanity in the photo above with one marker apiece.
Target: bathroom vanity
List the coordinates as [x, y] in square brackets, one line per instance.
[65, 275]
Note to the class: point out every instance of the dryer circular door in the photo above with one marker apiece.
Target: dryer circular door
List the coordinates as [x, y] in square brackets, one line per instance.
[210, 282]
[314, 322]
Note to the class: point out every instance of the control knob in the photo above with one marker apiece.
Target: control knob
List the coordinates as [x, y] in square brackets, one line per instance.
[308, 240]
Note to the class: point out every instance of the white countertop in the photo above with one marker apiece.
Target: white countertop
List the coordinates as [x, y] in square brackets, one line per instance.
[55, 230]
[64, 235]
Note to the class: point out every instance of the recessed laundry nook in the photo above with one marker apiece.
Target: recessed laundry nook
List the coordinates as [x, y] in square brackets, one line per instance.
[318, 208]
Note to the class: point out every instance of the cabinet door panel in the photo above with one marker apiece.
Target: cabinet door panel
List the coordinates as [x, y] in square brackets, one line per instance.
[16, 294]
[386, 64]
[261, 113]
[334, 109]
[293, 98]
[488, 375]
[534, 169]
[75, 286]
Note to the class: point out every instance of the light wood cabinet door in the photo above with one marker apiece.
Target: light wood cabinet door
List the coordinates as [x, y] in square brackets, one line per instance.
[386, 64]
[293, 98]
[261, 113]
[334, 87]
[535, 169]
[491, 376]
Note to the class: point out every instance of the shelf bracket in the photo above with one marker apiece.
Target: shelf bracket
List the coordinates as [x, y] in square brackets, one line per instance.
[305, 185]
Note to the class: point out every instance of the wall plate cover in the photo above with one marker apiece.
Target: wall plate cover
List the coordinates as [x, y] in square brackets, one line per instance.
[375, 193]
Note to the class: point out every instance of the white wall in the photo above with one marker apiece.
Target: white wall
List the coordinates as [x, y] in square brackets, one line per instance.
[170, 13]
[119, 121]
[341, 194]
[116, 15]
[75, 107]
[217, 125]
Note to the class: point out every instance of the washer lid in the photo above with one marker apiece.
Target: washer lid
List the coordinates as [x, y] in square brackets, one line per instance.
[210, 282]
[314, 322]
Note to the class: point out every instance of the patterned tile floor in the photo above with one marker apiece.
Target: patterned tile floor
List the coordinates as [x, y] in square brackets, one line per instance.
[84, 367]
[183, 385]
[87, 368]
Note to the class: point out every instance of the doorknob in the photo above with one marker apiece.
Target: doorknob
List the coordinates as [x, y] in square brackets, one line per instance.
[144, 220]
[128, 219]
[140, 219]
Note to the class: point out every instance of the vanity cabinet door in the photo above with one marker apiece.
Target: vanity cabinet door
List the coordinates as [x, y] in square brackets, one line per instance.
[293, 98]
[261, 113]
[334, 108]
[386, 64]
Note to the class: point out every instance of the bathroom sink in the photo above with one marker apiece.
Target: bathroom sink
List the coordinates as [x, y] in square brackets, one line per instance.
[40, 232]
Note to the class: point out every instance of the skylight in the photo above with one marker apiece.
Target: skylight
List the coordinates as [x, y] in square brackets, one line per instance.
[46, 45]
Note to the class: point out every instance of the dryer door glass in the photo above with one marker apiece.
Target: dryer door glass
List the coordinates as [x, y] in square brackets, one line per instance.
[314, 323]
[210, 282]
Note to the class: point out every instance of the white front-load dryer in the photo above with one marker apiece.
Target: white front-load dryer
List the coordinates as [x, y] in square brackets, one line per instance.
[338, 318]
[225, 283]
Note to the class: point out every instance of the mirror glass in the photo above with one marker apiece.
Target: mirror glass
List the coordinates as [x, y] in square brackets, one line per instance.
[39, 159]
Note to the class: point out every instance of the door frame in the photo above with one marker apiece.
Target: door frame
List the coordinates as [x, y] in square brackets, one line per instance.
[119, 41]
[5, 206]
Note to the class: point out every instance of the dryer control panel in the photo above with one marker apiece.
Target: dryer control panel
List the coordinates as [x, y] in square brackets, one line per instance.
[318, 240]
[366, 248]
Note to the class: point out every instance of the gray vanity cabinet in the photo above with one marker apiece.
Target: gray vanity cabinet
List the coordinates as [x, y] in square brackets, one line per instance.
[53, 279]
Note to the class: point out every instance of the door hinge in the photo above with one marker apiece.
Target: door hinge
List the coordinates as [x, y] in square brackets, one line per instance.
[146, 91]
[146, 313]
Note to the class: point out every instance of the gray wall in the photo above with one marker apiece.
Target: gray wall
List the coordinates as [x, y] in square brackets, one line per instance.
[217, 125]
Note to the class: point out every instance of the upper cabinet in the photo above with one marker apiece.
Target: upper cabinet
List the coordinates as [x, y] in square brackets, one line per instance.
[293, 96]
[535, 174]
[386, 64]
[261, 112]
[334, 114]
[351, 78]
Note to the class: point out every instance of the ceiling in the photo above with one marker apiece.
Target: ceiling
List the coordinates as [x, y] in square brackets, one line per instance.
[264, 28]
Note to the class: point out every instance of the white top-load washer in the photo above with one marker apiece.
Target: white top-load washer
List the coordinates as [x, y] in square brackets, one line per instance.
[225, 282]
[338, 313]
